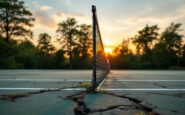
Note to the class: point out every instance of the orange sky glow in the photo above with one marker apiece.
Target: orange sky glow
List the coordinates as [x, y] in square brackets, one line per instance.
[118, 19]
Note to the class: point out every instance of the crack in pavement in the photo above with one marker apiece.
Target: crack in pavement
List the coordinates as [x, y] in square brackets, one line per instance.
[136, 103]
[82, 109]
[157, 84]
[121, 107]
[180, 95]
[14, 96]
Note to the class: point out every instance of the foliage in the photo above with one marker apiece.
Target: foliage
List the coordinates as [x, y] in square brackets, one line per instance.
[67, 37]
[76, 41]
[44, 44]
[154, 50]
[169, 50]
[14, 19]
[145, 38]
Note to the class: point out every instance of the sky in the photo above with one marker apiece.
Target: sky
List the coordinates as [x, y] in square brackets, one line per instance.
[118, 19]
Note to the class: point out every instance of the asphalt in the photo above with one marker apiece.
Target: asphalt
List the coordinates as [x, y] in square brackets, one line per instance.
[128, 92]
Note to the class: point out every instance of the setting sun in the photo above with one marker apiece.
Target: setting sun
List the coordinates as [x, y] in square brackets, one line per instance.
[108, 46]
[108, 50]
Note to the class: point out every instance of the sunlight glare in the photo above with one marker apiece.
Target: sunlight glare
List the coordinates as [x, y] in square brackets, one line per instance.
[107, 42]
[108, 50]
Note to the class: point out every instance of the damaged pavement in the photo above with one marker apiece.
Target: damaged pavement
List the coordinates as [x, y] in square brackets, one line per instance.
[97, 103]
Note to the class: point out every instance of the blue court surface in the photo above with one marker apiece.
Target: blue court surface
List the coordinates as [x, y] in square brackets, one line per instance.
[128, 92]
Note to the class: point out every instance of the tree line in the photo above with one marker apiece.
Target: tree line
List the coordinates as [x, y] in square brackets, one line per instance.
[154, 50]
[16, 21]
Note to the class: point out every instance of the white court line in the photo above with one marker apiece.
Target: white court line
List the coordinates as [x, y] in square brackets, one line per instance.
[82, 80]
[35, 89]
[102, 89]
[98, 88]
[45, 80]
[150, 80]
[139, 89]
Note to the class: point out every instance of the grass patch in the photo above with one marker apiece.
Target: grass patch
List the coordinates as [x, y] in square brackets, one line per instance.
[85, 84]
[12, 97]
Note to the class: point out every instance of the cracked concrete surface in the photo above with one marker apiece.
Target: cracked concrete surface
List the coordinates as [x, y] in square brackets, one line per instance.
[82, 107]
[13, 96]
[57, 101]
[118, 104]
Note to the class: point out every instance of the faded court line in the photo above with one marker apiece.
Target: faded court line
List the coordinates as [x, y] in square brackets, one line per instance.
[36, 89]
[140, 89]
[149, 80]
[46, 80]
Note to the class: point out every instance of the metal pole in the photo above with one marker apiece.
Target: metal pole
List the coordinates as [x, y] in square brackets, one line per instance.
[94, 46]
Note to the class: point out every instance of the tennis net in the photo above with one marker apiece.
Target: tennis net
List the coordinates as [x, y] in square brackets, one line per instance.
[101, 65]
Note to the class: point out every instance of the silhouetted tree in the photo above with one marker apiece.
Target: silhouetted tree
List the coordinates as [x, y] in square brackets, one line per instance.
[170, 47]
[67, 31]
[26, 55]
[145, 38]
[173, 39]
[85, 43]
[124, 47]
[60, 61]
[14, 19]
[183, 56]
[44, 43]
[123, 55]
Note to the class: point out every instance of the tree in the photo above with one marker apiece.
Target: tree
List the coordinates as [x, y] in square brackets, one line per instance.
[67, 31]
[122, 57]
[124, 47]
[85, 42]
[145, 38]
[44, 43]
[170, 47]
[26, 55]
[7, 54]
[14, 19]
[183, 56]
[173, 39]
[60, 59]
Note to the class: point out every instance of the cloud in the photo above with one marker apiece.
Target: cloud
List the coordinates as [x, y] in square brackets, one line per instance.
[119, 27]
[123, 21]
[138, 21]
[60, 14]
[45, 7]
[81, 18]
[41, 7]
[68, 2]
[34, 3]
[44, 19]
[47, 21]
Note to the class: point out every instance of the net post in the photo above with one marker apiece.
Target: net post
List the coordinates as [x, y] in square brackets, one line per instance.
[94, 46]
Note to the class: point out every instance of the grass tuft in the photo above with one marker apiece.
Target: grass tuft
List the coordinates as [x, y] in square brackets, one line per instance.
[12, 97]
[85, 84]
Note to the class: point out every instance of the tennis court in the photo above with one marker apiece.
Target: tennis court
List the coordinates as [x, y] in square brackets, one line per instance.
[127, 92]
[162, 92]
[98, 91]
